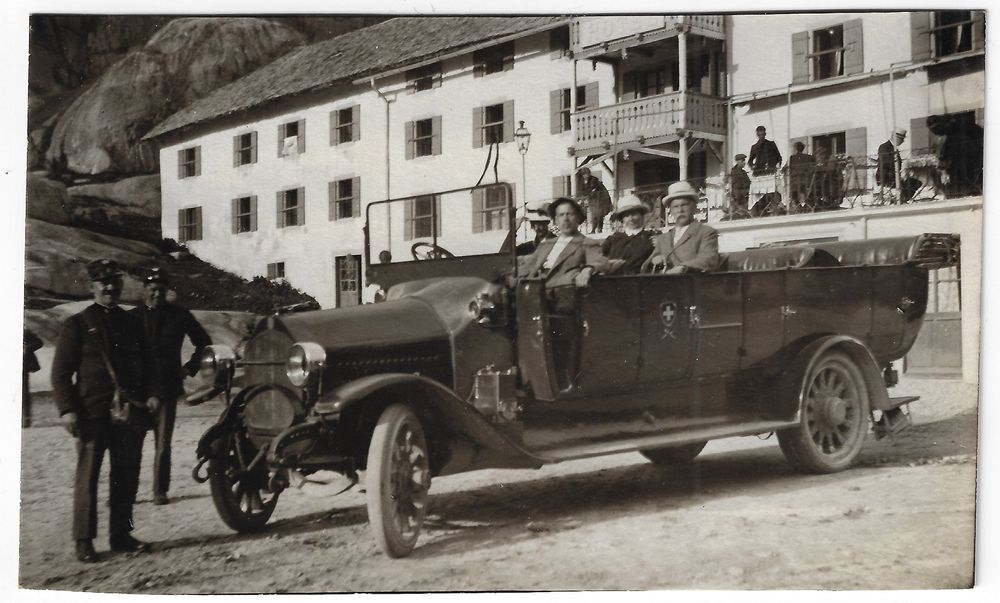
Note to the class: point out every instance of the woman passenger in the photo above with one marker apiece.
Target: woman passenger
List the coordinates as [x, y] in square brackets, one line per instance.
[628, 248]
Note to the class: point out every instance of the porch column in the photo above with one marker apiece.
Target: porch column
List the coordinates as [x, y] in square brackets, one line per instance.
[682, 70]
[682, 160]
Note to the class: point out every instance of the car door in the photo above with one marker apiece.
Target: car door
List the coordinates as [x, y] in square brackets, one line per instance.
[665, 341]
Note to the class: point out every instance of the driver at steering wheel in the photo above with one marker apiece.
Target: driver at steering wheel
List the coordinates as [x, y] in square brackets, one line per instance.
[568, 260]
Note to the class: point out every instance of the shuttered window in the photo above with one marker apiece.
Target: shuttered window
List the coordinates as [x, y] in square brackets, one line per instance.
[345, 198]
[244, 149]
[492, 124]
[189, 162]
[559, 43]
[829, 52]
[422, 217]
[291, 206]
[345, 125]
[423, 137]
[856, 147]
[244, 214]
[560, 110]
[561, 186]
[493, 60]
[489, 209]
[424, 78]
[276, 271]
[189, 224]
[292, 138]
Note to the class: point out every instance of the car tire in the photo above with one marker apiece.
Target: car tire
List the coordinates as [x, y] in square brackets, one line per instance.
[245, 502]
[834, 417]
[674, 455]
[398, 479]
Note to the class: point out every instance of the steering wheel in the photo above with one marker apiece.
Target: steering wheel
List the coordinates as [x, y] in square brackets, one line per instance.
[429, 251]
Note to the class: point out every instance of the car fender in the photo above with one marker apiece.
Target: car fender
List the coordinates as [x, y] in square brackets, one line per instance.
[438, 406]
[788, 391]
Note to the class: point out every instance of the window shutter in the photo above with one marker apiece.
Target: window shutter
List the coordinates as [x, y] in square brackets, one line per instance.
[331, 195]
[437, 215]
[253, 213]
[854, 56]
[281, 138]
[508, 58]
[408, 150]
[280, 220]
[978, 30]
[253, 147]
[334, 117]
[356, 200]
[628, 86]
[922, 140]
[436, 135]
[856, 141]
[180, 226]
[300, 212]
[197, 222]
[236, 212]
[558, 186]
[591, 92]
[478, 196]
[920, 35]
[508, 121]
[800, 57]
[356, 118]
[791, 144]
[408, 219]
[555, 107]
[477, 127]
[180, 163]
[236, 150]
[302, 136]
[197, 160]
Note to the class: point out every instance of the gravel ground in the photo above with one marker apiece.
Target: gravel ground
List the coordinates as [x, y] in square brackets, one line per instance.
[737, 518]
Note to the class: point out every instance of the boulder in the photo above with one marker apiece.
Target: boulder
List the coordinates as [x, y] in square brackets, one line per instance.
[137, 196]
[187, 59]
[47, 200]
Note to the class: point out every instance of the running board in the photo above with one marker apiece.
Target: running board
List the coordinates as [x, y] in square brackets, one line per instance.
[663, 440]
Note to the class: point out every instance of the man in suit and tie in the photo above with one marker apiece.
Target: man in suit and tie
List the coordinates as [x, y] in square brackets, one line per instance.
[689, 246]
[889, 161]
[568, 260]
[165, 326]
[764, 154]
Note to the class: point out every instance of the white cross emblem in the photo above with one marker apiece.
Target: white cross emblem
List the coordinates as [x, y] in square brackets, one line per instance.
[668, 310]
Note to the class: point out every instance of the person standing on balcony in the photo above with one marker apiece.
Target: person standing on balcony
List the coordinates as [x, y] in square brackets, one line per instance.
[739, 187]
[800, 170]
[890, 164]
[596, 200]
[764, 155]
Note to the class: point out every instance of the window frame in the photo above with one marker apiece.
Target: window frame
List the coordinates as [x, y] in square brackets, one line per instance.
[495, 127]
[273, 269]
[284, 210]
[338, 200]
[189, 224]
[423, 139]
[487, 217]
[816, 56]
[935, 28]
[495, 59]
[432, 218]
[345, 130]
[427, 77]
[245, 154]
[189, 167]
[250, 214]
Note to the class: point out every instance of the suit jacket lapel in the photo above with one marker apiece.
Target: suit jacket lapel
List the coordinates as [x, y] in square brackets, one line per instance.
[541, 252]
[687, 234]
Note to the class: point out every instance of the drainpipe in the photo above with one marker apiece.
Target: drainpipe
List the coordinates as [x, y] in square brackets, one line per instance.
[388, 195]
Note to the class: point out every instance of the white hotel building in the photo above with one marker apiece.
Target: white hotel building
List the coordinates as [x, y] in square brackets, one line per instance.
[271, 174]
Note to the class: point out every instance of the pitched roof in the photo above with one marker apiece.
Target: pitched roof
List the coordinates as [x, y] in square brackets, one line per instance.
[388, 45]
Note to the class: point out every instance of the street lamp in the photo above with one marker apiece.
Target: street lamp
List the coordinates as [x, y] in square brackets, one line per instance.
[523, 138]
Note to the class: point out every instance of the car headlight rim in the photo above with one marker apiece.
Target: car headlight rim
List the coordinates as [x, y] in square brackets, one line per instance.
[304, 363]
[215, 359]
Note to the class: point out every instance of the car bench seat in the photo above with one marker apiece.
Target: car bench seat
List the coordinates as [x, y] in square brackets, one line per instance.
[775, 258]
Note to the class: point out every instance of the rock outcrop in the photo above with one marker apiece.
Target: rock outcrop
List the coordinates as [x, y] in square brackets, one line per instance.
[187, 58]
[47, 200]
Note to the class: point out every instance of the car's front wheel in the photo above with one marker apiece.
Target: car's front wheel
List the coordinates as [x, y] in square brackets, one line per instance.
[241, 493]
[674, 455]
[398, 480]
[834, 417]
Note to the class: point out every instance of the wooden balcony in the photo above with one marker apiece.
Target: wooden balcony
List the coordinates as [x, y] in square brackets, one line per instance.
[648, 121]
[593, 36]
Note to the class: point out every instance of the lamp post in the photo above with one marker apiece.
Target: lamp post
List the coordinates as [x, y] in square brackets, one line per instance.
[523, 138]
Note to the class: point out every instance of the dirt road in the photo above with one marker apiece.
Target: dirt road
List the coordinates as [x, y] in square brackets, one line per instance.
[737, 518]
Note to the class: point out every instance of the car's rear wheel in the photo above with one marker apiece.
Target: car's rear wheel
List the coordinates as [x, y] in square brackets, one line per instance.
[242, 498]
[834, 421]
[674, 455]
[398, 480]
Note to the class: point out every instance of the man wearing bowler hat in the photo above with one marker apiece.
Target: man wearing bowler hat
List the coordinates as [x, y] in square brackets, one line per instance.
[99, 360]
[164, 327]
[568, 260]
[689, 246]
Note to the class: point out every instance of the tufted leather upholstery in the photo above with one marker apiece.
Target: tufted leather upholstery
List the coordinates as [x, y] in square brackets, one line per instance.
[775, 258]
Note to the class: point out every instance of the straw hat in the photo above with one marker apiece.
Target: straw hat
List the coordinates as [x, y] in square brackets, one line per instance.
[626, 204]
[680, 190]
[537, 211]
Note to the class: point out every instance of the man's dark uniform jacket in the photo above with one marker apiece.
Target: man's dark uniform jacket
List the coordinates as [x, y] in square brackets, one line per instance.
[79, 352]
[764, 157]
[885, 170]
[164, 330]
[739, 185]
[597, 198]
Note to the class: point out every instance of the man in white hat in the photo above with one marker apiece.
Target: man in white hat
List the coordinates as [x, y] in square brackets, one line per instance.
[689, 245]
[628, 248]
[538, 218]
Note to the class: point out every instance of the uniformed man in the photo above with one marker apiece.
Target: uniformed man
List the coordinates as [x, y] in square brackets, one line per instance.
[99, 359]
[164, 327]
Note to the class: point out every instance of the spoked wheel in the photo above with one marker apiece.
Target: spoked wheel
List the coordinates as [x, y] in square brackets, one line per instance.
[834, 417]
[399, 478]
[242, 498]
[674, 455]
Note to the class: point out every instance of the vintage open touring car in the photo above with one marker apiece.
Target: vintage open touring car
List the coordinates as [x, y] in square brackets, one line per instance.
[461, 368]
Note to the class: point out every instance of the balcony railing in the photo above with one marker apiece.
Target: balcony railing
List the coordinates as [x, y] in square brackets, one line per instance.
[653, 118]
